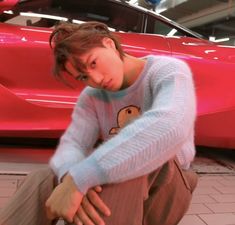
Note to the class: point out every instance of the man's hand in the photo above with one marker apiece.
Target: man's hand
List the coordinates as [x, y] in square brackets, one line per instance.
[64, 200]
[91, 208]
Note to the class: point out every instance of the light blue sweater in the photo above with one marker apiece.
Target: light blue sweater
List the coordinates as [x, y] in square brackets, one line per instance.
[142, 127]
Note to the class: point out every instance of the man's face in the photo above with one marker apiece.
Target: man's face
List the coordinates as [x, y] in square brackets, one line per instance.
[104, 67]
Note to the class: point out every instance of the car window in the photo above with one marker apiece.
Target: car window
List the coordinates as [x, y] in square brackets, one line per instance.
[156, 26]
[29, 13]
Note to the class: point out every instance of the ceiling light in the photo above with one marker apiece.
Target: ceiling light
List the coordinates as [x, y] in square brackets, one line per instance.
[160, 10]
[172, 32]
[44, 16]
[211, 38]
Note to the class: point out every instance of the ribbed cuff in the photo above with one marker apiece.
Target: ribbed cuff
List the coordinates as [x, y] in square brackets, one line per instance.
[60, 171]
[87, 174]
[63, 170]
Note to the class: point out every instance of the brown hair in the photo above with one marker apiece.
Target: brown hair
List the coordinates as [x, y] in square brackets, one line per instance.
[68, 40]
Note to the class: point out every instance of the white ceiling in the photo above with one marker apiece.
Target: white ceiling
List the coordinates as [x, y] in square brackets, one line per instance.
[211, 18]
[192, 13]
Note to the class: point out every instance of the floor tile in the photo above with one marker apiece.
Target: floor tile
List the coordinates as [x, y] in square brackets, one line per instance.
[206, 190]
[211, 183]
[225, 190]
[230, 177]
[212, 177]
[230, 183]
[222, 198]
[7, 182]
[203, 199]
[221, 207]
[198, 209]
[7, 192]
[191, 220]
[218, 219]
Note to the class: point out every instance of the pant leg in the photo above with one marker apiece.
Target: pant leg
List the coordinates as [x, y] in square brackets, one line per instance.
[27, 206]
[170, 193]
[125, 201]
[160, 198]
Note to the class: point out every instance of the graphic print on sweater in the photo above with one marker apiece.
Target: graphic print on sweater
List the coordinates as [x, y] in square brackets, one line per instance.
[125, 116]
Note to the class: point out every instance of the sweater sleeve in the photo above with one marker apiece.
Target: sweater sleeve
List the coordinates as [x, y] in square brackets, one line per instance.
[74, 145]
[149, 141]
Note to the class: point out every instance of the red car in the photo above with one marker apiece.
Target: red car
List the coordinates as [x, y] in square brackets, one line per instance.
[34, 105]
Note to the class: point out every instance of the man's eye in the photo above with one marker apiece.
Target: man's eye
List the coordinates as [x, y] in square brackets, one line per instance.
[82, 77]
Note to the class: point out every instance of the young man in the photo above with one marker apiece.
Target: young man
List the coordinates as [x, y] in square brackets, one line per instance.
[143, 110]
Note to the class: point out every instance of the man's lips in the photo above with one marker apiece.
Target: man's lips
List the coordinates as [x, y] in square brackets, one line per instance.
[107, 84]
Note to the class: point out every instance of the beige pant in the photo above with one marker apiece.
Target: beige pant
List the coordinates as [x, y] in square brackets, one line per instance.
[161, 198]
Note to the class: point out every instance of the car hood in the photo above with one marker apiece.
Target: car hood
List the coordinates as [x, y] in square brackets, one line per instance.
[199, 48]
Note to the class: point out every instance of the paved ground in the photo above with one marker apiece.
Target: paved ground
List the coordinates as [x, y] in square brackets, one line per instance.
[213, 201]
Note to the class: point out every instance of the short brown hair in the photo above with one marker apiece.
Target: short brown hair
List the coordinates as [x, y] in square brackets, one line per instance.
[69, 39]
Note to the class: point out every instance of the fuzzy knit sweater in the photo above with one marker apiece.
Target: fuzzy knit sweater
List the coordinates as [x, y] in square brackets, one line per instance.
[142, 127]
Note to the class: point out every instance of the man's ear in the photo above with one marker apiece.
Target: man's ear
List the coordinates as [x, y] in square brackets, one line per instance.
[108, 43]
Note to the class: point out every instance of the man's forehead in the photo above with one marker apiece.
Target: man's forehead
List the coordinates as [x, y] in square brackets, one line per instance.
[75, 65]
[80, 58]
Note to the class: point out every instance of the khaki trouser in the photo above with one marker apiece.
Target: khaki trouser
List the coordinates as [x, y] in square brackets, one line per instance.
[160, 198]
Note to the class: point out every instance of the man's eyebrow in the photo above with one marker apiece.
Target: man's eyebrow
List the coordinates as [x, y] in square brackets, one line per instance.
[88, 58]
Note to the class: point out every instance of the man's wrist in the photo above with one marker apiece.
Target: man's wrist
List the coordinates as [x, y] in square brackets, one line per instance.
[68, 179]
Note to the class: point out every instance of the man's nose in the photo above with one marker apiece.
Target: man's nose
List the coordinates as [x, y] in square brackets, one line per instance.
[97, 77]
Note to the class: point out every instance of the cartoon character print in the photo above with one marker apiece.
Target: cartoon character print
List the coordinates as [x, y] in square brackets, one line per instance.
[124, 117]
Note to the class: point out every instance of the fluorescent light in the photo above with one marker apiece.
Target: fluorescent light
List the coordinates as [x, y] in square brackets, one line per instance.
[78, 21]
[212, 38]
[44, 16]
[111, 29]
[221, 40]
[172, 32]
[133, 1]
[36, 30]
[160, 10]
[8, 12]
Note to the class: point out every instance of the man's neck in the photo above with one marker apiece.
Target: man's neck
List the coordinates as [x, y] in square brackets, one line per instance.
[132, 69]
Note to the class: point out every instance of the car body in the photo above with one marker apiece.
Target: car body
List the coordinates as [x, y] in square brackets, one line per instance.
[36, 105]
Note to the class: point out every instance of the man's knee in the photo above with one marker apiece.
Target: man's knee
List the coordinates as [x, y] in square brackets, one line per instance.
[41, 176]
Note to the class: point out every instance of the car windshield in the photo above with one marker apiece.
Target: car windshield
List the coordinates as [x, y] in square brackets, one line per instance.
[48, 13]
[34, 13]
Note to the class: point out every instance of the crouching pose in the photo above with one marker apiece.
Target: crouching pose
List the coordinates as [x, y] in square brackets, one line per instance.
[142, 111]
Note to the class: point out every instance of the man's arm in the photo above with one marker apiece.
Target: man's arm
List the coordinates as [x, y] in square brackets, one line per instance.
[79, 137]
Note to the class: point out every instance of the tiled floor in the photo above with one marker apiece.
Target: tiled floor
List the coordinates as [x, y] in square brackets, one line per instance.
[213, 201]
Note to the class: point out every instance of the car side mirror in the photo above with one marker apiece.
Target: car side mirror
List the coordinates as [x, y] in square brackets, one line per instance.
[7, 4]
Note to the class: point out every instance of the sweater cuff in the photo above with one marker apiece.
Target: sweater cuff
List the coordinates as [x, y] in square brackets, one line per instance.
[87, 174]
[62, 170]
